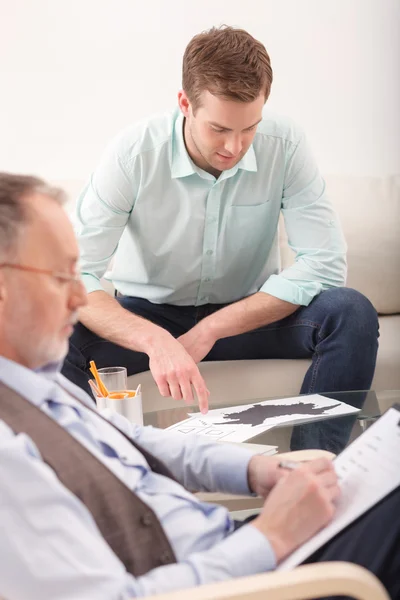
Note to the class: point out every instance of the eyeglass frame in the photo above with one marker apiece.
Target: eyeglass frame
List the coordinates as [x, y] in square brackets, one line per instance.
[73, 278]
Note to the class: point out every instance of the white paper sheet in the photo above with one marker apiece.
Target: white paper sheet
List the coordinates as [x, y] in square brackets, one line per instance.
[368, 470]
[226, 433]
[275, 413]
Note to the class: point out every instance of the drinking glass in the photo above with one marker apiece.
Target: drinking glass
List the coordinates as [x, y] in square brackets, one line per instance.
[114, 378]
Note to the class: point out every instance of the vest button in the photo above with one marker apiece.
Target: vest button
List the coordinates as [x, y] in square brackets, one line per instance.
[165, 557]
[146, 519]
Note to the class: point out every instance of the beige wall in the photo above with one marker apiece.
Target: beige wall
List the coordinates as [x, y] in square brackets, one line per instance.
[74, 72]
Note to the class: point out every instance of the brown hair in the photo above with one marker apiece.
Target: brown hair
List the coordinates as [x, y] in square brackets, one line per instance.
[13, 216]
[227, 62]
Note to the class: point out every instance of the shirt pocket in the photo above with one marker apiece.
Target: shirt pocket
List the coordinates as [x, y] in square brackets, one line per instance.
[246, 228]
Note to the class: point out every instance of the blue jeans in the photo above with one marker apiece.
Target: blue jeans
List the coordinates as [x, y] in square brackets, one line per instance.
[338, 331]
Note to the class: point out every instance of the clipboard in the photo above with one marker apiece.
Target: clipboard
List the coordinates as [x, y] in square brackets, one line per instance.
[368, 471]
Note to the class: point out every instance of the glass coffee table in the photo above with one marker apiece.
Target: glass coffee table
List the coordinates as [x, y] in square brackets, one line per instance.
[375, 404]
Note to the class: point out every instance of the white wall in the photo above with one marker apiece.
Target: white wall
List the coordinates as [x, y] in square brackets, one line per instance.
[73, 72]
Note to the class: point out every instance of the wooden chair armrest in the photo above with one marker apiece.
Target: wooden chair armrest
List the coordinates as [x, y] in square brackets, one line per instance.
[306, 455]
[303, 583]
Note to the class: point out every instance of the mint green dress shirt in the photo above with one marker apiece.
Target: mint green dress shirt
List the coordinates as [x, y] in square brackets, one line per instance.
[178, 235]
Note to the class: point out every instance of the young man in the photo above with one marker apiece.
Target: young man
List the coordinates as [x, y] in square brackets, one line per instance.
[87, 509]
[188, 205]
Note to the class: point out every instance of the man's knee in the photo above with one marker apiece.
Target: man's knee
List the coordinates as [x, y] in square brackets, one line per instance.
[351, 309]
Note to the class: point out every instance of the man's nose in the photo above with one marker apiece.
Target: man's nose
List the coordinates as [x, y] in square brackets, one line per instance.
[78, 295]
[233, 145]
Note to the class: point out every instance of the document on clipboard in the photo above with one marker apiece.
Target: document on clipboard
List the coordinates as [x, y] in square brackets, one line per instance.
[368, 470]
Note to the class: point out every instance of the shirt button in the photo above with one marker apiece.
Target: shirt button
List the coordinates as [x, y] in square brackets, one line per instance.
[206, 279]
[204, 298]
[209, 252]
[146, 519]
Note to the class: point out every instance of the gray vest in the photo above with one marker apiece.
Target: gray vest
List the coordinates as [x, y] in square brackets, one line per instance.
[127, 524]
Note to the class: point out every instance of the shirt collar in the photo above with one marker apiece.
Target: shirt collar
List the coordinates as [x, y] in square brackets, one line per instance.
[41, 384]
[249, 161]
[183, 166]
[35, 386]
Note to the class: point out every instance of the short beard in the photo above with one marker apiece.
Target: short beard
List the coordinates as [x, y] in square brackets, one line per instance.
[197, 148]
[200, 152]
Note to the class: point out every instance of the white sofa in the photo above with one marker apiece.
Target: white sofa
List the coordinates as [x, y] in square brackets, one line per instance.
[369, 209]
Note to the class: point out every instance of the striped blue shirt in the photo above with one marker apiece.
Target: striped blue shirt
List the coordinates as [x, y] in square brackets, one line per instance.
[50, 546]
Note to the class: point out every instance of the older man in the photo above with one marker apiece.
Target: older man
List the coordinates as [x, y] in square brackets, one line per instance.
[87, 508]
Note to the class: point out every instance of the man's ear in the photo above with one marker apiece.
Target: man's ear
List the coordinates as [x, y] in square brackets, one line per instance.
[184, 103]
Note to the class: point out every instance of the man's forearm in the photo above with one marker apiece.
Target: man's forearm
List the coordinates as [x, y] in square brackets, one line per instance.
[245, 315]
[105, 317]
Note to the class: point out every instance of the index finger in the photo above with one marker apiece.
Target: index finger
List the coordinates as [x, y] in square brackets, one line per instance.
[202, 393]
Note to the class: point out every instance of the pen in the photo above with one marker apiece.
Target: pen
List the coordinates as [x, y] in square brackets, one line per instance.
[289, 464]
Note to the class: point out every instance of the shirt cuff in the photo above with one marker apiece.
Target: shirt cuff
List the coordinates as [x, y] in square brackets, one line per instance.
[284, 289]
[91, 283]
[249, 552]
[231, 468]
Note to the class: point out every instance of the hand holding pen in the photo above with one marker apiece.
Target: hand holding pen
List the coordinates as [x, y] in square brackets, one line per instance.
[299, 505]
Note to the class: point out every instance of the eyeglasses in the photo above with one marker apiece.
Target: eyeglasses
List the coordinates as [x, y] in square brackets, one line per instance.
[63, 278]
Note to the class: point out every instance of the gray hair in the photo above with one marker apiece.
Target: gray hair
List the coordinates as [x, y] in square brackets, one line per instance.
[13, 214]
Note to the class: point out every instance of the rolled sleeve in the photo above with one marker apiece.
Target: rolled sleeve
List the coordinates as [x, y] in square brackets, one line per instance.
[91, 282]
[313, 230]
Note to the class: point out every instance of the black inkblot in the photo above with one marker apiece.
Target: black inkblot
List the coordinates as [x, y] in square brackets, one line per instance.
[257, 413]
